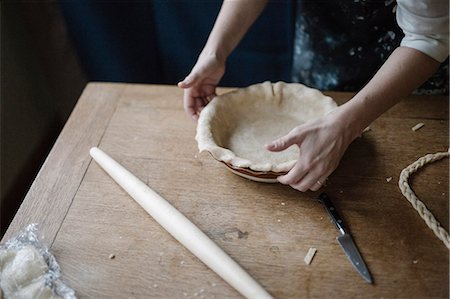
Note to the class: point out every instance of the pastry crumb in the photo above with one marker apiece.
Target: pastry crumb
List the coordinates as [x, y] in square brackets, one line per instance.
[417, 127]
[310, 255]
[112, 256]
[283, 203]
[415, 261]
[388, 179]
[278, 220]
[341, 191]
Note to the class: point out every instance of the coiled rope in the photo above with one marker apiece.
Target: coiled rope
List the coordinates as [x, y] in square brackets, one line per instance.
[420, 207]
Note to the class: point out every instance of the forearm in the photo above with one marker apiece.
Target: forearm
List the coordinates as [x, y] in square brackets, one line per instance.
[405, 70]
[234, 20]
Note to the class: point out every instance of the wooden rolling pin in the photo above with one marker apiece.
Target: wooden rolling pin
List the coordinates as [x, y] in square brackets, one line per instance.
[181, 228]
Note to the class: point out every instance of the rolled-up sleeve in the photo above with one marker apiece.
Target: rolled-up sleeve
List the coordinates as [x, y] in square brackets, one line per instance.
[425, 25]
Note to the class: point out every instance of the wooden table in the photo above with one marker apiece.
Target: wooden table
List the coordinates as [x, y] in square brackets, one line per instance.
[267, 228]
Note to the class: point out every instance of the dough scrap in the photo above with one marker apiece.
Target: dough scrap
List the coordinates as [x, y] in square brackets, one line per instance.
[22, 274]
[310, 255]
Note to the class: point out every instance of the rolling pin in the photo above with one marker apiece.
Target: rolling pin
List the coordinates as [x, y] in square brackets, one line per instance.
[181, 228]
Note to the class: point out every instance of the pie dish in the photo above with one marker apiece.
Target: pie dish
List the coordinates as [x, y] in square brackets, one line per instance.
[234, 127]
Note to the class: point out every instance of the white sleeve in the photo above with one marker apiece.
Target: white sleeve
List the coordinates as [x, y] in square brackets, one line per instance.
[425, 25]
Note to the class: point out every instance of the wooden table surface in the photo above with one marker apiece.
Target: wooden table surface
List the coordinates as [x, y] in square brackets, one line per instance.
[266, 228]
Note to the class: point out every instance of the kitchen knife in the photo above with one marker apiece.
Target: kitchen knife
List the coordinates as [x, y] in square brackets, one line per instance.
[345, 240]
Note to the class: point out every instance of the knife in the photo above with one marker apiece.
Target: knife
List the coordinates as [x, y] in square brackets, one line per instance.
[345, 240]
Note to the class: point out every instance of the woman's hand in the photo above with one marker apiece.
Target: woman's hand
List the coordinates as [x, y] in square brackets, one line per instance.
[233, 21]
[322, 144]
[200, 85]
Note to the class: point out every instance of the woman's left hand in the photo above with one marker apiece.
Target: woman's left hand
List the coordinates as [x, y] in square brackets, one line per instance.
[322, 144]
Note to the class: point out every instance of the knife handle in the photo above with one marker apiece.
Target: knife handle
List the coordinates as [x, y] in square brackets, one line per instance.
[331, 210]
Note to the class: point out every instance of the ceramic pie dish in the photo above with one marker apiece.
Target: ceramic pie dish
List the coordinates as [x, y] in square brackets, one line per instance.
[234, 127]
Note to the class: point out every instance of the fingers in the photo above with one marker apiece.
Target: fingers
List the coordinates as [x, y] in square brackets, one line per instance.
[190, 105]
[194, 108]
[194, 105]
[189, 81]
[210, 97]
[284, 142]
[294, 175]
[314, 180]
[191, 110]
[318, 184]
[303, 178]
[311, 182]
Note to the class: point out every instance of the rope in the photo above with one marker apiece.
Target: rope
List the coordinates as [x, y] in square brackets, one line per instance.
[420, 207]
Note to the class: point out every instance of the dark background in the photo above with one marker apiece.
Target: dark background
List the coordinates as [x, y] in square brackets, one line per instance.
[51, 49]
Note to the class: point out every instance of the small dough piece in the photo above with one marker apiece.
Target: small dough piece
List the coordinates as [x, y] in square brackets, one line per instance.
[417, 127]
[310, 255]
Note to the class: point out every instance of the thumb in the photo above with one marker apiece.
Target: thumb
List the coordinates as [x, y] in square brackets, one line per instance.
[284, 142]
[189, 81]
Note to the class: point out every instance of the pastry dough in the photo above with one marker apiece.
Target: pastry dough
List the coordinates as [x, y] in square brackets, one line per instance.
[235, 126]
[22, 274]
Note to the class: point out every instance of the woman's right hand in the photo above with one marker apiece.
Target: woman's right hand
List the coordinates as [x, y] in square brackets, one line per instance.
[200, 85]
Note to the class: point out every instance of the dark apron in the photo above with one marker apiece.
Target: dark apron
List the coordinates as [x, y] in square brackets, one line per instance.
[339, 45]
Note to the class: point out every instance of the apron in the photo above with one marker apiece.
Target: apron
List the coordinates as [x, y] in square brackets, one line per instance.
[339, 45]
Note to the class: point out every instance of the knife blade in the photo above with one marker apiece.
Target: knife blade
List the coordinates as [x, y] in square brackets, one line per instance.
[345, 239]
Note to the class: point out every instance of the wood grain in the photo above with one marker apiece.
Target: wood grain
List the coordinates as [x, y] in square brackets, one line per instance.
[267, 228]
[51, 194]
